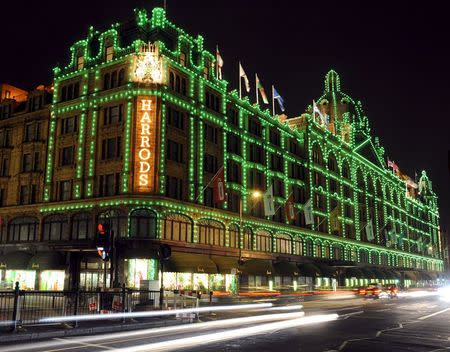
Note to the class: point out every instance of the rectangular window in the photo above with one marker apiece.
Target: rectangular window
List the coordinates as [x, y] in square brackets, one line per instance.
[2, 197]
[27, 162]
[211, 133]
[69, 125]
[276, 162]
[109, 53]
[80, 62]
[255, 180]
[256, 154]
[24, 196]
[210, 163]
[64, 190]
[174, 188]
[274, 137]
[212, 101]
[66, 157]
[113, 115]
[254, 127]
[174, 151]
[278, 189]
[175, 118]
[233, 172]
[183, 59]
[33, 194]
[111, 148]
[233, 117]
[5, 167]
[109, 185]
[233, 144]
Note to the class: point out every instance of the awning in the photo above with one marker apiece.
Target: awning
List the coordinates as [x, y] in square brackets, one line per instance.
[368, 274]
[225, 264]
[326, 270]
[190, 263]
[46, 261]
[257, 267]
[353, 272]
[308, 269]
[286, 269]
[15, 260]
[379, 273]
[409, 275]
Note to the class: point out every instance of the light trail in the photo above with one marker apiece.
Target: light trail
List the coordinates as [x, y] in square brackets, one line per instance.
[143, 334]
[152, 313]
[205, 339]
[417, 294]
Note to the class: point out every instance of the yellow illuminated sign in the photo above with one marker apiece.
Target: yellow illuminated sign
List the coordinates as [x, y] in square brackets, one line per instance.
[144, 169]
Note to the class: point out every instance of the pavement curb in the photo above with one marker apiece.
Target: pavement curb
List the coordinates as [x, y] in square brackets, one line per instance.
[33, 336]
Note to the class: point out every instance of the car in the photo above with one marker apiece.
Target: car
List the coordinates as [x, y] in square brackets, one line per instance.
[391, 290]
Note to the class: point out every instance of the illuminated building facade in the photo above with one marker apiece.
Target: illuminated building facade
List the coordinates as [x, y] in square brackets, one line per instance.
[139, 126]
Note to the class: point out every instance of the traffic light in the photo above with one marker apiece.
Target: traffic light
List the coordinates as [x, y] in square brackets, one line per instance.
[103, 240]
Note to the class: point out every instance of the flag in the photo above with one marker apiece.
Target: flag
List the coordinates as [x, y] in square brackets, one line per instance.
[261, 90]
[393, 165]
[219, 62]
[369, 231]
[419, 245]
[334, 219]
[243, 75]
[386, 237]
[219, 186]
[289, 208]
[323, 118]
[430, 249]
[307, 209]
[276, 96]
[400, 239]
[269, 208]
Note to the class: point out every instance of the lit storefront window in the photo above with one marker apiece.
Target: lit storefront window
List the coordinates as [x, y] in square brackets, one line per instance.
[200, 282]
[52, 280]
[141, 270]
[26, 279]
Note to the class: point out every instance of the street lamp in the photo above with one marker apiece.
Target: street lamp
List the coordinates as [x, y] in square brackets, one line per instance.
[255, 195]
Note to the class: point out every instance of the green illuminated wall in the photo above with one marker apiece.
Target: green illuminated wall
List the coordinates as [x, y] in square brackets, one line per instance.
[363, 153]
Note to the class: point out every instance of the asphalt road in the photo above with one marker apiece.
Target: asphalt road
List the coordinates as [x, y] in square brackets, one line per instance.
[403, 324]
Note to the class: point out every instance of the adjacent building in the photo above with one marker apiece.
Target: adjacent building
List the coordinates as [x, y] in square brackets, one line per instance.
[138, 126]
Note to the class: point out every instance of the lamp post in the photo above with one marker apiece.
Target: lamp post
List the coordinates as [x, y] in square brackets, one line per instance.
[255, 195]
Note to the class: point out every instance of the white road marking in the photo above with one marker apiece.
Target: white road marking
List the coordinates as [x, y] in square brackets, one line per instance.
[434, 314]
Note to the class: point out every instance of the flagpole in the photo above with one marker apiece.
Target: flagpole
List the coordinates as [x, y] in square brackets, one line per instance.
[217, 62]
[211, 180]
[240, 79]
[273, 102]
[256, 90]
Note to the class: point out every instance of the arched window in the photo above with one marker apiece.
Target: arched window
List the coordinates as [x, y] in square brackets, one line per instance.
[23, 229]
[317, 155]
[337, 252]
[106, 81]
[177, 84]
[121, 77]
[82, 226]
[384, 259]
[64, 93]
[263, 241]
[309, 248]
[284, 244]
[326, 250]
[318, 249]
[76, 90]
[298, 246]
[370, 187]
[143, 223]
[172, 81]
[374, 257]
[114, 79]
[177, 227]
[247, 242]
[332, 164]
[379, 189]
[363, 256]
[233, 236]
[118, 220]
[211, 232]
[56, 228]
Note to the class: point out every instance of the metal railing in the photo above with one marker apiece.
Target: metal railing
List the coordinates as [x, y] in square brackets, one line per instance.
[20, 307]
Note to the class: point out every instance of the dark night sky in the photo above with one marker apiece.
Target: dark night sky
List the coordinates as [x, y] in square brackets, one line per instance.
[392, 56]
